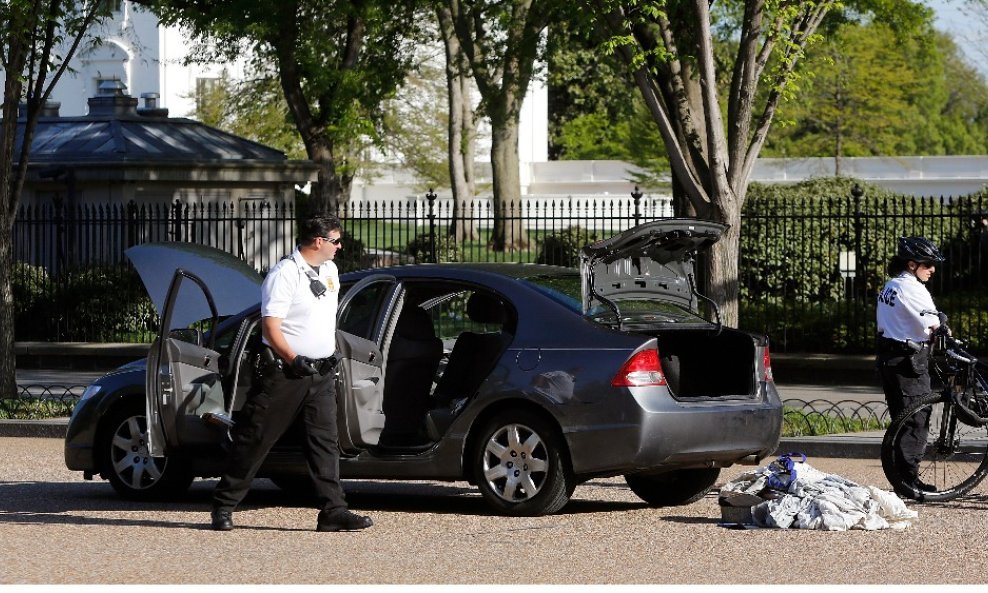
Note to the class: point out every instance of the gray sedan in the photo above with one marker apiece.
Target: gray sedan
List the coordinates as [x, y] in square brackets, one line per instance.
[525, 380]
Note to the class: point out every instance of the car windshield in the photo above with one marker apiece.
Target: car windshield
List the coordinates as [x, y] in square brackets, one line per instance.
[565, 290]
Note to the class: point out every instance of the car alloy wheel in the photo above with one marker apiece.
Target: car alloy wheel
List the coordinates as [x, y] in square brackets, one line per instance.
[519, 465]
[127, 461]
[515, 462]
[131, 457]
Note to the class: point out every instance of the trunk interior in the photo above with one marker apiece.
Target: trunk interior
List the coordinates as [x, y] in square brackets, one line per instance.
[702, 364]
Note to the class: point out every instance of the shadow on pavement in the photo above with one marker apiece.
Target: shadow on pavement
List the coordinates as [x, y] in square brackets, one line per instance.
[61, 502]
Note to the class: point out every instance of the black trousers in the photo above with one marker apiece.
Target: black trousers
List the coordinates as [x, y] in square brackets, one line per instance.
[274, 402]
[905, 379]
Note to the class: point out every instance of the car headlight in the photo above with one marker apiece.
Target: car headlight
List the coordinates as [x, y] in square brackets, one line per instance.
[90, 391]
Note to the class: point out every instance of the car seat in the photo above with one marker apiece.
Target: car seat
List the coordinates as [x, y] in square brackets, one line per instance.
[472, 359]
[413, 358]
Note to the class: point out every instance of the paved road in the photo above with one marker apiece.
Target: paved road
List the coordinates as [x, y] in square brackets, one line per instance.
[442, 533]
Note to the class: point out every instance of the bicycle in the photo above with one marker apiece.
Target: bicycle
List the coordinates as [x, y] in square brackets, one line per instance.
[956, 454]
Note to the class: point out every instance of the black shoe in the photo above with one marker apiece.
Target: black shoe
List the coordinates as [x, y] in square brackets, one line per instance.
[222, 520]
[344, 520]
[922, 486]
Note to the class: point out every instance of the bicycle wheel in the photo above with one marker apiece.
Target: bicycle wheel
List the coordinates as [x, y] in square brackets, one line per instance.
[955, 458]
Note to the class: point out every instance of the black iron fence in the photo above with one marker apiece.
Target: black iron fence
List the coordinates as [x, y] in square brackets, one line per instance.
[809, 267]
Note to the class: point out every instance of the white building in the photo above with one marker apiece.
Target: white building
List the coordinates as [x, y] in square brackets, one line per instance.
[146, 56]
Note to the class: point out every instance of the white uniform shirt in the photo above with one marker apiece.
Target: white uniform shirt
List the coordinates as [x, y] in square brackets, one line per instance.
[308, 323]
[900, 303]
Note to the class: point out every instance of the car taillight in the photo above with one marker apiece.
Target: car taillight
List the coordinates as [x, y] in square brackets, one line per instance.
[767, 365]
[641, 369]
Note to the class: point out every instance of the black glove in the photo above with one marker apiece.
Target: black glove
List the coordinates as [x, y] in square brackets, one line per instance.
[303, 366]
[944, 329]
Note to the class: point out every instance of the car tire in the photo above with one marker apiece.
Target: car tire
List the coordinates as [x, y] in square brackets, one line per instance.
[126, 463]
[673, 488]
[519, 465]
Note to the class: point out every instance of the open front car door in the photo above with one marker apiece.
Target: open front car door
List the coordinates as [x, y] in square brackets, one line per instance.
[186, 404]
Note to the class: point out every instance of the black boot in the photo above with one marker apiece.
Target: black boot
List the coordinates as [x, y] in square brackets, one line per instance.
[342, 520]
[222, 520]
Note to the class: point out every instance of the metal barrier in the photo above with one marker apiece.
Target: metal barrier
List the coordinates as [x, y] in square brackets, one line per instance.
[820, 417]
[39, 402]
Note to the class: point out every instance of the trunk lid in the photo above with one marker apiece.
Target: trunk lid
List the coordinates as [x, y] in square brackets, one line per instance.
[653, 261]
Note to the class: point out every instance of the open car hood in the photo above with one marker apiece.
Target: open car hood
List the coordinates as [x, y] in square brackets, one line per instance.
[234, 285]
[652, 261]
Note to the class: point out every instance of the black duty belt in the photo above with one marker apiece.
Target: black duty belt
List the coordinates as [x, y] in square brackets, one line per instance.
[325, 365]
[890, 346]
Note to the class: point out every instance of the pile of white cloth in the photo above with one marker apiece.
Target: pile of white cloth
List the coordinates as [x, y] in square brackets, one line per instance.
[798, 496]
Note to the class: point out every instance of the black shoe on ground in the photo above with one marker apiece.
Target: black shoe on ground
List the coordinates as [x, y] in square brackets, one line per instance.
[922, 486]
[344, 520]
[222, 520]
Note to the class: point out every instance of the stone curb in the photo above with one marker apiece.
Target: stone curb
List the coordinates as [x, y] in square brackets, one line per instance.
[848, 447]
[34, 428]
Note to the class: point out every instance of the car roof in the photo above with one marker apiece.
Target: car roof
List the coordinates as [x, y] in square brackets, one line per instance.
[460, 270]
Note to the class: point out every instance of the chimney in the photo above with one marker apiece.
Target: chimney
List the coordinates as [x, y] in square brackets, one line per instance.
[50, 109]
[112, 99]
[150, 108]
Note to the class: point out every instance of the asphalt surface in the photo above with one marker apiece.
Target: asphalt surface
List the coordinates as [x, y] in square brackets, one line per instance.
[56, 528]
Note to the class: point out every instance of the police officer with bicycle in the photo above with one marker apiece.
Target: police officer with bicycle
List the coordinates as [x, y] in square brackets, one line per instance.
[295, 374]
[907, 318]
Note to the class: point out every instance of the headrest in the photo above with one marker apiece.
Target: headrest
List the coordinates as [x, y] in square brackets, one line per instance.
[485, 308]
[415, 322]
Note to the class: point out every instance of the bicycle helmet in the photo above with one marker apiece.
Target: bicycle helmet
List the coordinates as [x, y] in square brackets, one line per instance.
[919, 250]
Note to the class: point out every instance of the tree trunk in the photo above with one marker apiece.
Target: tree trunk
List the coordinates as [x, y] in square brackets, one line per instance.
[682, 207]
[332, 189]
[460, 133]
[8, 363]
[508, 232]
[721, 274]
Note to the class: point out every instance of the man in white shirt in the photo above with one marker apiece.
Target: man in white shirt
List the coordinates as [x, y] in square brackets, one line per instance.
[907, 318]
[295, 375]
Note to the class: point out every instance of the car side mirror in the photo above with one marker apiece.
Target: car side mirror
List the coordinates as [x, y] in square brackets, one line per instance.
[190, 335]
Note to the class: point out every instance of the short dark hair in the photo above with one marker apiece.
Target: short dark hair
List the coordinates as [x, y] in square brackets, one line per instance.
[896, 266]
[314, 227]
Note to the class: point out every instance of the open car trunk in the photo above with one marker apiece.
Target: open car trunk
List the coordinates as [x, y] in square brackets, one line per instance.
[708, 365]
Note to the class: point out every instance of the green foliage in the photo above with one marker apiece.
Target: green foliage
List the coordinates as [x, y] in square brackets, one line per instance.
[98, 304]
[107, 303]
[35, 408]
[563, 248]
[353, 256]
[337, 62]
[830, 222]
[254, 109]
[416, 126]
[30, 286]
[798, 237]
[420, 248]
[871, 90]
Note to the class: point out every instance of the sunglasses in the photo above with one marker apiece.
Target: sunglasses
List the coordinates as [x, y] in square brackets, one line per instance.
[335, 241]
